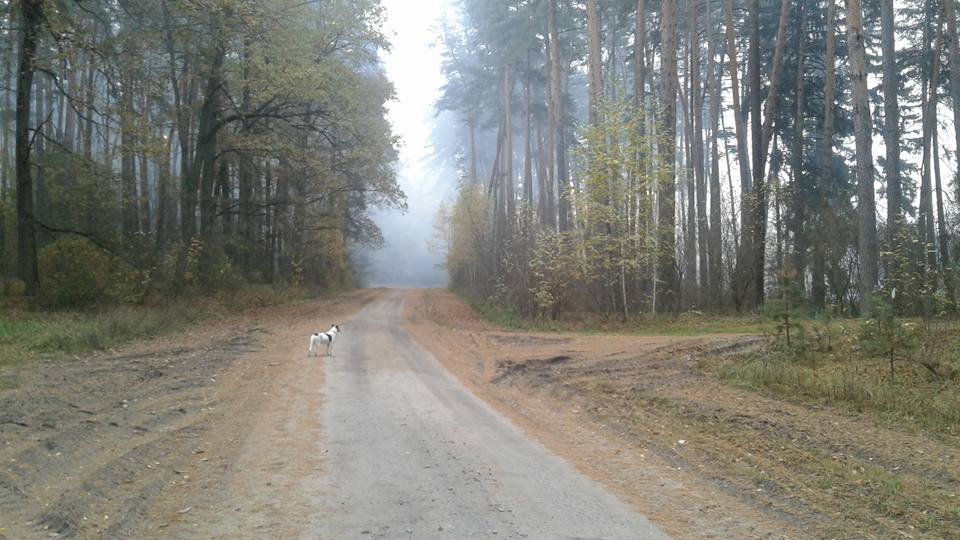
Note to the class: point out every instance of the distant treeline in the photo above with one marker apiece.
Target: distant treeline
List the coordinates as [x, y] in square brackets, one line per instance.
[175, 145]
[630, 156]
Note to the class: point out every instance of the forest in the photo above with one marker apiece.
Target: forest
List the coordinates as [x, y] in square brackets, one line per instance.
[171, 146]
[637, 157]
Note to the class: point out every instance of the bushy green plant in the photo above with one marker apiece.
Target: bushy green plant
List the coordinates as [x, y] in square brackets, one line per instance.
[76, 273]
[783, 310]
[883, 334]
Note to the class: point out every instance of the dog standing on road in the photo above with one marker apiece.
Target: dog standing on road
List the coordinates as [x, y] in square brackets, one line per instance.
[323, 338]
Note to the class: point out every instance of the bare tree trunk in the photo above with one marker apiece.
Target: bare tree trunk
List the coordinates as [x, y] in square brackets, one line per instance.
[30, 20]
[70, 117]
[594, 56]
[639, 64]
[715, 248]
[867, 210]
[948, 274]
[89, 96]
[666, 267]
[527, 142]
[128, 180]
[144, 195]
[800, 187]
[558, 119]
[951, 16]
[508, 173]
[891, 119]
[166, 209]
[758, 220]
[741, 280]
[818, 286]
[696, 108]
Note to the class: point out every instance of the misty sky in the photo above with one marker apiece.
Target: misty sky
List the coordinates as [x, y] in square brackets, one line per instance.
[413, 65]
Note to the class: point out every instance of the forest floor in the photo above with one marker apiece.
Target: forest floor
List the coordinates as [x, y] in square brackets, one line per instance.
[649, 418]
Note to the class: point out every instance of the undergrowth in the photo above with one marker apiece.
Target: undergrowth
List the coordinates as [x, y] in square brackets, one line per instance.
[29, 333]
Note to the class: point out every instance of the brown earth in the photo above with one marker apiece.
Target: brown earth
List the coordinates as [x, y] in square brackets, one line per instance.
[646, 417]
[206, 434]
[215, 433]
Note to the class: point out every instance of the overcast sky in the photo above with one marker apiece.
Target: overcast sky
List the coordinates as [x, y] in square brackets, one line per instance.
[413, 65]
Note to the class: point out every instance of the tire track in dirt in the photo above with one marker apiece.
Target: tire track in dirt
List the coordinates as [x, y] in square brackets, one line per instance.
[158, 439]
[750, 466]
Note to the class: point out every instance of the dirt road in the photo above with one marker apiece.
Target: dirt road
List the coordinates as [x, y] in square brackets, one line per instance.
[230, 431]
[410, 452]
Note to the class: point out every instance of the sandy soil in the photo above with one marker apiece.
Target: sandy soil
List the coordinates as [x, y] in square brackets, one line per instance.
[205, 434]
[643, 416]
[229, 431]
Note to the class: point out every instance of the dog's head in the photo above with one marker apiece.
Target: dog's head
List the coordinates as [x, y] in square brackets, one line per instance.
[335, 329]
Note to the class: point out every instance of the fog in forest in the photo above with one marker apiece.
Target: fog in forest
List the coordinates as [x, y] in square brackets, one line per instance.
[413, 65]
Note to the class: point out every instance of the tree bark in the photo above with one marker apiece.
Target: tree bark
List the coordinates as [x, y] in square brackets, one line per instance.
[527, 141]
[891, 120]
[715, 74]
[558, 120]
[594, 61]
[825, 191]
[666, 267]
[696, 109]
[31, 17]
[800, 188]
[869, 250]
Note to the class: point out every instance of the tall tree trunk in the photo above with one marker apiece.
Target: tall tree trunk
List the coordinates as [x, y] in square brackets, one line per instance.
[955, 95]
[944, 239]
[800, 188]
[666, 266]
[558, 119]
[90, 84]
[714, 74]
[527, 142]
[891, 120]
[740, 285]
[166, 208]
[508, 172]
[31, 15]
[758, 219]
[867, 210]
[70, 117]
[594, 61]
[472, 127]
[696, 141]
[825, 191]
[930, 101]
[954, 51]
[639, 63]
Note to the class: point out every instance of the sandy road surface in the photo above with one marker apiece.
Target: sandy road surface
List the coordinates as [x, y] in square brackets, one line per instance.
[411, 452]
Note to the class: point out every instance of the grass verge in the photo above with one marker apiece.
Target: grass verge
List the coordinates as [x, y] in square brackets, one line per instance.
[922, 391]
[28, 334]
[687, 324]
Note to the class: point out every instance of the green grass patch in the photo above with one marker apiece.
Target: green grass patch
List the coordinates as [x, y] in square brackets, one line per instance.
[849, 378]
[28, 334]
[687, 324]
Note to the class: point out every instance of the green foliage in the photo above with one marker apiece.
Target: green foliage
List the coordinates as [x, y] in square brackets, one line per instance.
[855, 386]
[463, 232]
[75, 273]
[783, 309]
[883, 334]
[558, 270]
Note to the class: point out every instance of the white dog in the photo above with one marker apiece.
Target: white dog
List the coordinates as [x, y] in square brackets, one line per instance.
[321, 338]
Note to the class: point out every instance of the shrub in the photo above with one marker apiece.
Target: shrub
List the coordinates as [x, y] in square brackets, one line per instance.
[76, 273]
